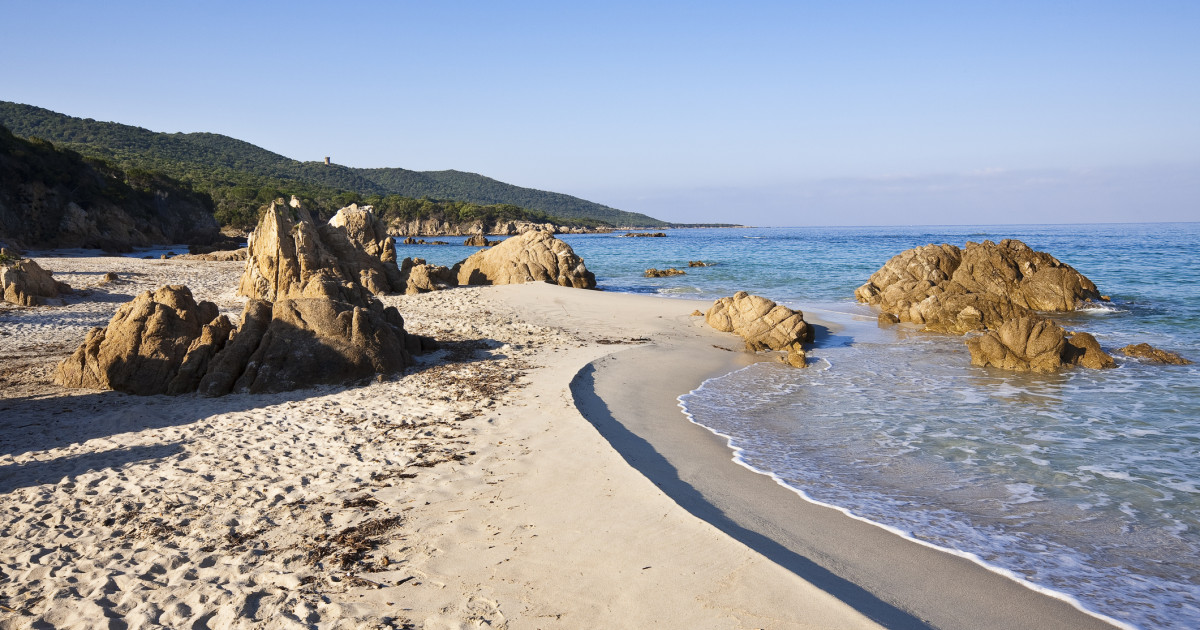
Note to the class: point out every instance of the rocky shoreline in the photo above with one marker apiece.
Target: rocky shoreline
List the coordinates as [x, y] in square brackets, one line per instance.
[1002, 293]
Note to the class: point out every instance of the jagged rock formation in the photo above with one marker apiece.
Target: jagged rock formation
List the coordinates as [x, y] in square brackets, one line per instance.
[1152, 354]
[321, 325]
[530, 257]
[976, 288]
[24, 282]
[764, 325]
[700, 263]
[1030, 344]
[645, 234]
[302, 342]
[420, 277]
[155, 344]
[290, 256]
[664, 273]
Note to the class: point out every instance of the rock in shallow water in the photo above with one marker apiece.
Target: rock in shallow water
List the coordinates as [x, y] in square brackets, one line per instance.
[1030, 344]
[1153, 355]
[764, 325]
[976, 288]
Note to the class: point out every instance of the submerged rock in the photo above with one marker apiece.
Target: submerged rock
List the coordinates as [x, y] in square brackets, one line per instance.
[530, 257]
[664, 273]
[24, 282]
[764, 324]
[1152, 354]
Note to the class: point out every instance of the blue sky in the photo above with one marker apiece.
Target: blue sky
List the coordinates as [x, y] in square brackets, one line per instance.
[797, 113]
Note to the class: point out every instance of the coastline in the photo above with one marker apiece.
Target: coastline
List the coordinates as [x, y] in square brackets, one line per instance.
[575, 492]
[470, 491]
[632, 399]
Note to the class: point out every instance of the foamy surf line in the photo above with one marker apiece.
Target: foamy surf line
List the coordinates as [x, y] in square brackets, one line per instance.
[738, 459]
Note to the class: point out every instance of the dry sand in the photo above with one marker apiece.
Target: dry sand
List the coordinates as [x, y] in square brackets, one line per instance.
[533, 474]
[469, 492]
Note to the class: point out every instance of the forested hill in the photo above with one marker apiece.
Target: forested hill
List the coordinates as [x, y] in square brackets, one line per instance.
[485, 190]
[53, 198]
[218, 164]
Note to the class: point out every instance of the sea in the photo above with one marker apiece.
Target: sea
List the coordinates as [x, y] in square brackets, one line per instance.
[1083, 483]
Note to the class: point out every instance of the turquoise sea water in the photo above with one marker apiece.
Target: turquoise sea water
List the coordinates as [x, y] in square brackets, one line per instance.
[1084, 482]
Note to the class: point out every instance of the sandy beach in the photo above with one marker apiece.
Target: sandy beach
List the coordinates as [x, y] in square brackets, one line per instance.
[534, 473]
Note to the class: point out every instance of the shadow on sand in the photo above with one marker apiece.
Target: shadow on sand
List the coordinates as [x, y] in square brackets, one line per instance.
[645, 459]
[40, 423]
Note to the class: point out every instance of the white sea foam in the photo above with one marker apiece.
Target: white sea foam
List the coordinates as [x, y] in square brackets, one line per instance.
[740, 460]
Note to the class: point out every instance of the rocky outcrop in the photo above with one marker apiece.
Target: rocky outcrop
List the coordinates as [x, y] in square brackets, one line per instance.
[664, 273]
[301, 342]
[764, 325]
[320, 325]
[976, 288]
[420, 277]
[700, 263]
[24, 282]
[644, 234]
[362, 244]
[1031, 344]
[439, 227]
[1151, 354]
[224, 255]
[348, 259]
[156, 344]
[530, 257]
[479, 240]
[1032, 279]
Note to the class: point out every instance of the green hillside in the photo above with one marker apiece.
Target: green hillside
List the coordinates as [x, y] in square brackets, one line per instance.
[485, 190]
[51, 197]
[240, 176]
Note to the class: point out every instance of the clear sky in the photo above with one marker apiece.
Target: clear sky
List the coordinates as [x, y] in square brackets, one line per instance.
[770, 113]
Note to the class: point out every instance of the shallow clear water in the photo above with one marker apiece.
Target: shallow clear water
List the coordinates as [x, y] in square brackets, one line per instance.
[1085, 482]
